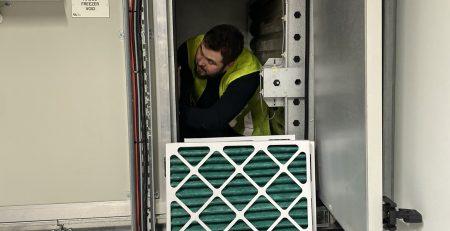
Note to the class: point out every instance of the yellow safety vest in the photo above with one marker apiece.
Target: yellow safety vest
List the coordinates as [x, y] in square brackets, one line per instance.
[253, 119]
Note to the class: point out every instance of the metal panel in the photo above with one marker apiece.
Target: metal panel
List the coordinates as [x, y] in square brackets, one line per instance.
[63, 114]
[389, 38]
[347, 51]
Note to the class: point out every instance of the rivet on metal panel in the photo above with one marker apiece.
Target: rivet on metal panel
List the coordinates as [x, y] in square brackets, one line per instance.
[296, 101]
[297, 14]
[121, 35]
[296, 123]
[297, 37]
[298, 82]
[276, 82]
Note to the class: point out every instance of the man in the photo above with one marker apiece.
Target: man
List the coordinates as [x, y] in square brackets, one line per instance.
[220, 86]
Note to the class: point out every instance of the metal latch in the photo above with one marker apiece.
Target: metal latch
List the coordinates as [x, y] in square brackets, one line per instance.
[391, 214]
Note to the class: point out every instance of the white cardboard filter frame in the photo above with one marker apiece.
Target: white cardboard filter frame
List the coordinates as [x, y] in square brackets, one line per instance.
[308, 188]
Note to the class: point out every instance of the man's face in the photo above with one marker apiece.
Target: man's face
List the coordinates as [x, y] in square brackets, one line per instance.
[208, 62]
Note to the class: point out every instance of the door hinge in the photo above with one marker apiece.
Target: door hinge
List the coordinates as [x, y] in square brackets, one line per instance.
[391, 214]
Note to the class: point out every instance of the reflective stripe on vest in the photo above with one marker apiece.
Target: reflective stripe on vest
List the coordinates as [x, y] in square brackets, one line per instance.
[253, 119]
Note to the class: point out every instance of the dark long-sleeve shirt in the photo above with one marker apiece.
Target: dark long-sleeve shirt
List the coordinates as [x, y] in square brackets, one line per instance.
[211, 114]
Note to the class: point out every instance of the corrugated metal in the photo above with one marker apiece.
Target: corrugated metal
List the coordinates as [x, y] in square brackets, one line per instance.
[239, 191]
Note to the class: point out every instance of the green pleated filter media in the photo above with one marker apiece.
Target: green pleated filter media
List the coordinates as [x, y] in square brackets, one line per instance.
[239, 185]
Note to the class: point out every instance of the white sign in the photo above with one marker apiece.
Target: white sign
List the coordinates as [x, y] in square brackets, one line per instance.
[90, 8]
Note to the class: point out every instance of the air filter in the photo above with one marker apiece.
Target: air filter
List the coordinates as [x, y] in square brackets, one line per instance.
[258, 185]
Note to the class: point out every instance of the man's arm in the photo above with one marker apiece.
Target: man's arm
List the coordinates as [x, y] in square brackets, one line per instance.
[218, 116]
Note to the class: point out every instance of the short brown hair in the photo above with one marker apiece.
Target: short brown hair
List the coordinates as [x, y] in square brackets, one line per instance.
[227, 39]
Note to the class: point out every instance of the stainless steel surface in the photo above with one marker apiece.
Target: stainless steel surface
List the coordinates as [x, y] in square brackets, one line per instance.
[389, 40]
[159, 65]
[347, 81]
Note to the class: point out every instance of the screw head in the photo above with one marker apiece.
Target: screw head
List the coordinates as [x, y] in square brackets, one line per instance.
[297, 59]
[276, 82]
[297, 14]
[121, 35]
[297, 37]
[296, 123]
[298, 82]
[296, 102]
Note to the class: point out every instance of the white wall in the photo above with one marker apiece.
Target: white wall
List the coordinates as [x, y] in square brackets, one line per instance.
[422, 140]
[63, 105]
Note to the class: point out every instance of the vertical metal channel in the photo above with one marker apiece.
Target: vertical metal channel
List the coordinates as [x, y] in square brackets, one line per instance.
[295, 41]
[150, 202]
[389, 55]
[309, 71]
[172, 76]
[159, 63]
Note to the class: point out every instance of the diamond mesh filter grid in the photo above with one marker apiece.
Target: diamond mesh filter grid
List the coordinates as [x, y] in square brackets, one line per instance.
[263, 186]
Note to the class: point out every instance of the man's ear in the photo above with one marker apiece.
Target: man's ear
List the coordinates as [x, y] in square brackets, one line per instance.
[228, 66]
